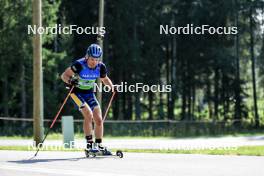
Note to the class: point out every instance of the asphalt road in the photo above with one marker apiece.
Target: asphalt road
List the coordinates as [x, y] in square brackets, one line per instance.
[14, 163]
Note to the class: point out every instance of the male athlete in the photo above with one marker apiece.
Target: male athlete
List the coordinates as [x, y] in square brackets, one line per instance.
[82, 74]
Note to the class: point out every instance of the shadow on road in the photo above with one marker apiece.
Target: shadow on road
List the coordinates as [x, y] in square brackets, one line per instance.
[33, 160]
[30, 161]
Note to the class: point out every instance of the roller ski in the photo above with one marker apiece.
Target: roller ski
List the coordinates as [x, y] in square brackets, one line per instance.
[102, 151]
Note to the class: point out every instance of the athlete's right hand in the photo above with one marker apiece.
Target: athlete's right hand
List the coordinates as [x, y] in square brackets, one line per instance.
[74, 81]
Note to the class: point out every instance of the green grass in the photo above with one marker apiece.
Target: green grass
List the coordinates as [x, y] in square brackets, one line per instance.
[58, 136]
[244, 150]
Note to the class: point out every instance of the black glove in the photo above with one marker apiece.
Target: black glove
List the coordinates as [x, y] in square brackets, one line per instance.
[68, 86]
[74, 81]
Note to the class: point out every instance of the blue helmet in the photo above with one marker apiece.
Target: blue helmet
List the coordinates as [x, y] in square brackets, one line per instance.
[94, 50]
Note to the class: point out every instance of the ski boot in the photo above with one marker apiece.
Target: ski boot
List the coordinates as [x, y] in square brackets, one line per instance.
[91, 150]
[104, 149]
[99, 150]
[105, 152]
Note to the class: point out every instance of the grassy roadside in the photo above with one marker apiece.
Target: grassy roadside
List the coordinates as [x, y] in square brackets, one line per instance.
[59, 136]
[244, 150]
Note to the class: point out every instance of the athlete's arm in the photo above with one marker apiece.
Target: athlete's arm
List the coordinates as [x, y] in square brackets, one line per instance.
[107, 81]
[104, 78]
[66, 75]
[76, 67]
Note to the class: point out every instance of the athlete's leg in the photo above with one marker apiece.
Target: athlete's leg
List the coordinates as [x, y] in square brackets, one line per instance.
[99, 126]
[97, 117]
[87, 115]
[88, 119]
[98, 123]
[88, 126]
[99, 130]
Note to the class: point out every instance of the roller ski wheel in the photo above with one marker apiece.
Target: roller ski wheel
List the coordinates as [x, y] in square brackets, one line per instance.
[119, 153]
[87, 153]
